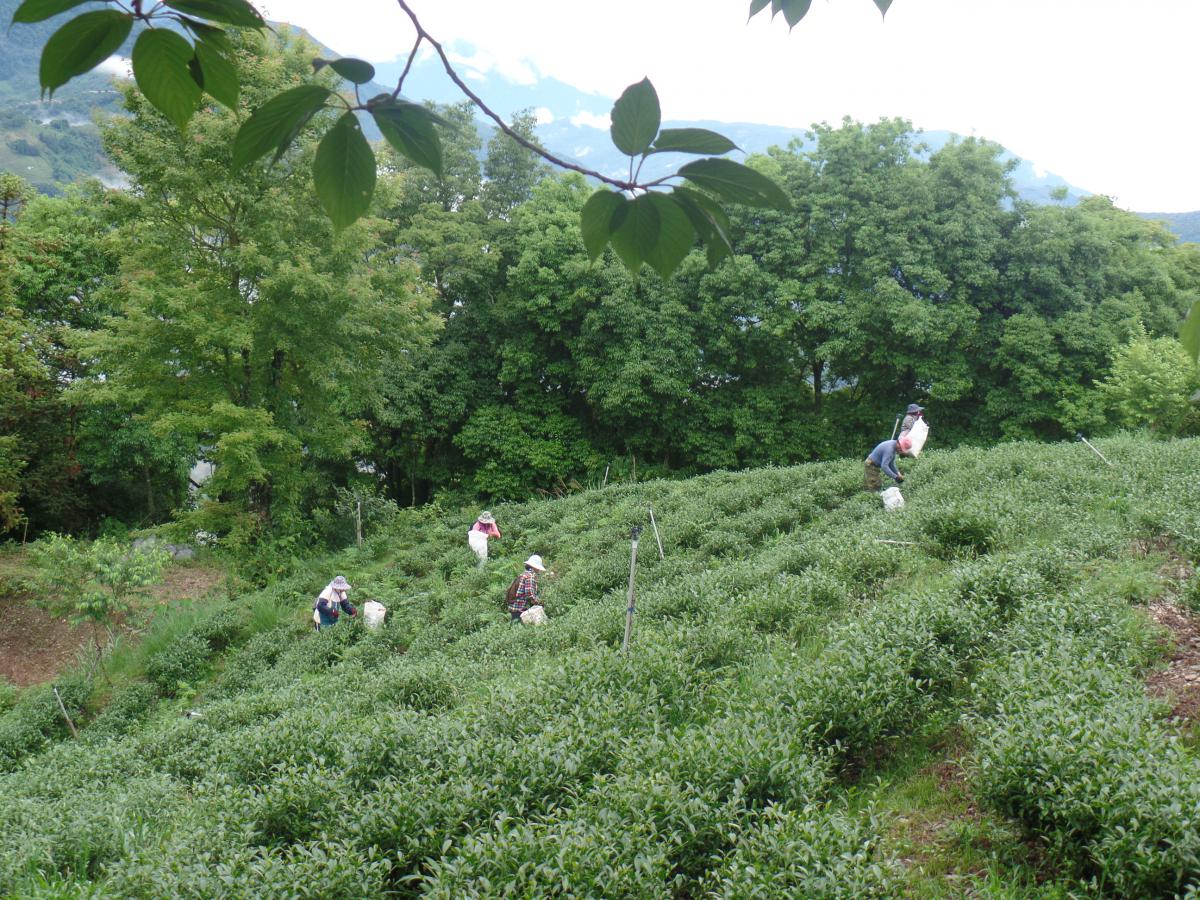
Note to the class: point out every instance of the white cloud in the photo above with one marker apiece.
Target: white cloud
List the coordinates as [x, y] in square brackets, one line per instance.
[587, 119]
[119, 66]
[1088, 89]
[544, 115]
[581, 152]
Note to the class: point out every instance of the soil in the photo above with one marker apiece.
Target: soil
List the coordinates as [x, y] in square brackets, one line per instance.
[35, 646]
[1179, 682]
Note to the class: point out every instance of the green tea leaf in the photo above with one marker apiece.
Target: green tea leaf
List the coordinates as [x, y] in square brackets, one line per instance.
[82, 44]
[635, 118]
[736, 183]
[344, 172]
[883, 6]
[675, 235]
[229, 12]
[355, 71]
[636, 231]
[757, 6]
[40, 10]
[160, 66]
[409, 127]
[596, 220]
[1189, 332]
[692, 140]
[276, 123]
[220, 76]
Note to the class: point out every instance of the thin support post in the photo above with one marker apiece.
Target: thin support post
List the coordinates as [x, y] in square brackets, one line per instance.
[70, 724]
[1093, 449]
[629, 606]
[604, 483]
[358, 524]
[657, 539]
[895, 428]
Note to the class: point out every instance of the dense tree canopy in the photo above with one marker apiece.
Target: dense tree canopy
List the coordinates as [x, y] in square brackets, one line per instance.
[460, 339]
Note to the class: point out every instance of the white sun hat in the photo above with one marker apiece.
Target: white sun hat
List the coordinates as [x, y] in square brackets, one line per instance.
[535, 562]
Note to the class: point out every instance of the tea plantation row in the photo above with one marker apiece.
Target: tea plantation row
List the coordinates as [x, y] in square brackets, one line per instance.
[783, 653]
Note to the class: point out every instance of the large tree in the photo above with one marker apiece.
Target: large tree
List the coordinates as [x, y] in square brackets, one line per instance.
[247, 326]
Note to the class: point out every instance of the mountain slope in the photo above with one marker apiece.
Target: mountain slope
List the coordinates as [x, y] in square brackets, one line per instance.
[802, 660]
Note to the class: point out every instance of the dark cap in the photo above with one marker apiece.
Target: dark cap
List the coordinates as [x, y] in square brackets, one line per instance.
[913, 408]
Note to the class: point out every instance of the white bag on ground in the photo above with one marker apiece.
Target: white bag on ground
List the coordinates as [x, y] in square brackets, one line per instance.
[892, 498]
[918, 434]
[373, 613]
[535, 615]
[478, 541]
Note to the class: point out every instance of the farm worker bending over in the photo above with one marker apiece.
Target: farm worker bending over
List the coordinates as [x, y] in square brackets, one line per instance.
[526, 593]
[913, 413]
[477, 537]
[332, 602]
[883, 457]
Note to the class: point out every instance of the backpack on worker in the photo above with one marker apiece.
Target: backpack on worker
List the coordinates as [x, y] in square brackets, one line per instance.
[511, 594]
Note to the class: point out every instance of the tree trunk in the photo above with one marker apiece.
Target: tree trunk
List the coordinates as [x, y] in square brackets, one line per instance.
[818, 391]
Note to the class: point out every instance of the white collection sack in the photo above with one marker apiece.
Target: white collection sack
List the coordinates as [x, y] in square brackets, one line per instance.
[535, 615]
[478, 541]
[918, 434]
[373, 613]
[892, 498]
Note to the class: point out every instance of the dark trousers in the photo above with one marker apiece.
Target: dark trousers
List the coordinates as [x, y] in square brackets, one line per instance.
[872, 479]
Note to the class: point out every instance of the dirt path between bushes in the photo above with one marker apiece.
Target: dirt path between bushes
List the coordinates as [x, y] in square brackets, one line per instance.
[1179, 682]
[35, 646]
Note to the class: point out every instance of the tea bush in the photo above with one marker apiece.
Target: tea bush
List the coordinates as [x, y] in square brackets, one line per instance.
[782, 654]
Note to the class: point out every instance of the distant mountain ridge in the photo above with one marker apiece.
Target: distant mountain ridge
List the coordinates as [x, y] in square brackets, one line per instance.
[57, 142]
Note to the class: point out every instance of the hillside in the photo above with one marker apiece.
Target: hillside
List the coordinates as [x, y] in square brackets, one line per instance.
[1186, 225]
[822, 699]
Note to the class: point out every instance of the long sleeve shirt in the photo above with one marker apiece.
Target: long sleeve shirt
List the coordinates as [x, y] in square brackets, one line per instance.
[527, 592]
[884, 456]
[488, 528]
[330, 607]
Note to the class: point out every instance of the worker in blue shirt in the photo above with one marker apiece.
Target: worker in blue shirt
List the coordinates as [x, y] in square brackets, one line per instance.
[883, 459]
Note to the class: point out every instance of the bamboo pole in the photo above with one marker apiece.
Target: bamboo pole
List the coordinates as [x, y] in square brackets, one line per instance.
[629, 607]
[657, 539]
[1093, 449]
[70, 724]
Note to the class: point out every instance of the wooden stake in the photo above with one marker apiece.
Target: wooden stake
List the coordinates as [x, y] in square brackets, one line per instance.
[70, 724]
[358, 524]
[1093, 449]
[654, 525]
[605, 482]
[629, 607]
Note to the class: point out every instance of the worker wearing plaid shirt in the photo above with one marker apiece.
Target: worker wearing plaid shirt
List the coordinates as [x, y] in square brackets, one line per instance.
[527, 588]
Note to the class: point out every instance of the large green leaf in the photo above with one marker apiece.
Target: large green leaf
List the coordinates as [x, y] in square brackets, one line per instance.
[40, 10]
[692, 140]
[210, 34]
[1189, 333]
[409, 127]
[883, 6]
[356, 71]
[160, 66]
[675, 235]
[220, 76]
[795, 10]
[635, 118]
[636, 232]
[276, 123]
[736, 183]
[229, 12]
[710, 222]
[344, 171]
[82, 44]
[757, 6]
[596, 220]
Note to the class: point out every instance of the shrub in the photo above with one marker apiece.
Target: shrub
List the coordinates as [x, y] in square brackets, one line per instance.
[128, 707]
[182, 662]
[962, 531]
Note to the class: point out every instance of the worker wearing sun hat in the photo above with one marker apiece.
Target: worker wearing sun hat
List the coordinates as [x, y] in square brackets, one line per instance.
[911, 415]
[526, 594]
[332, 602]
[477, 536]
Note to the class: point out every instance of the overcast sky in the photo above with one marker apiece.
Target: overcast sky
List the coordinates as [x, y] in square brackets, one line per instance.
[1100, 92]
